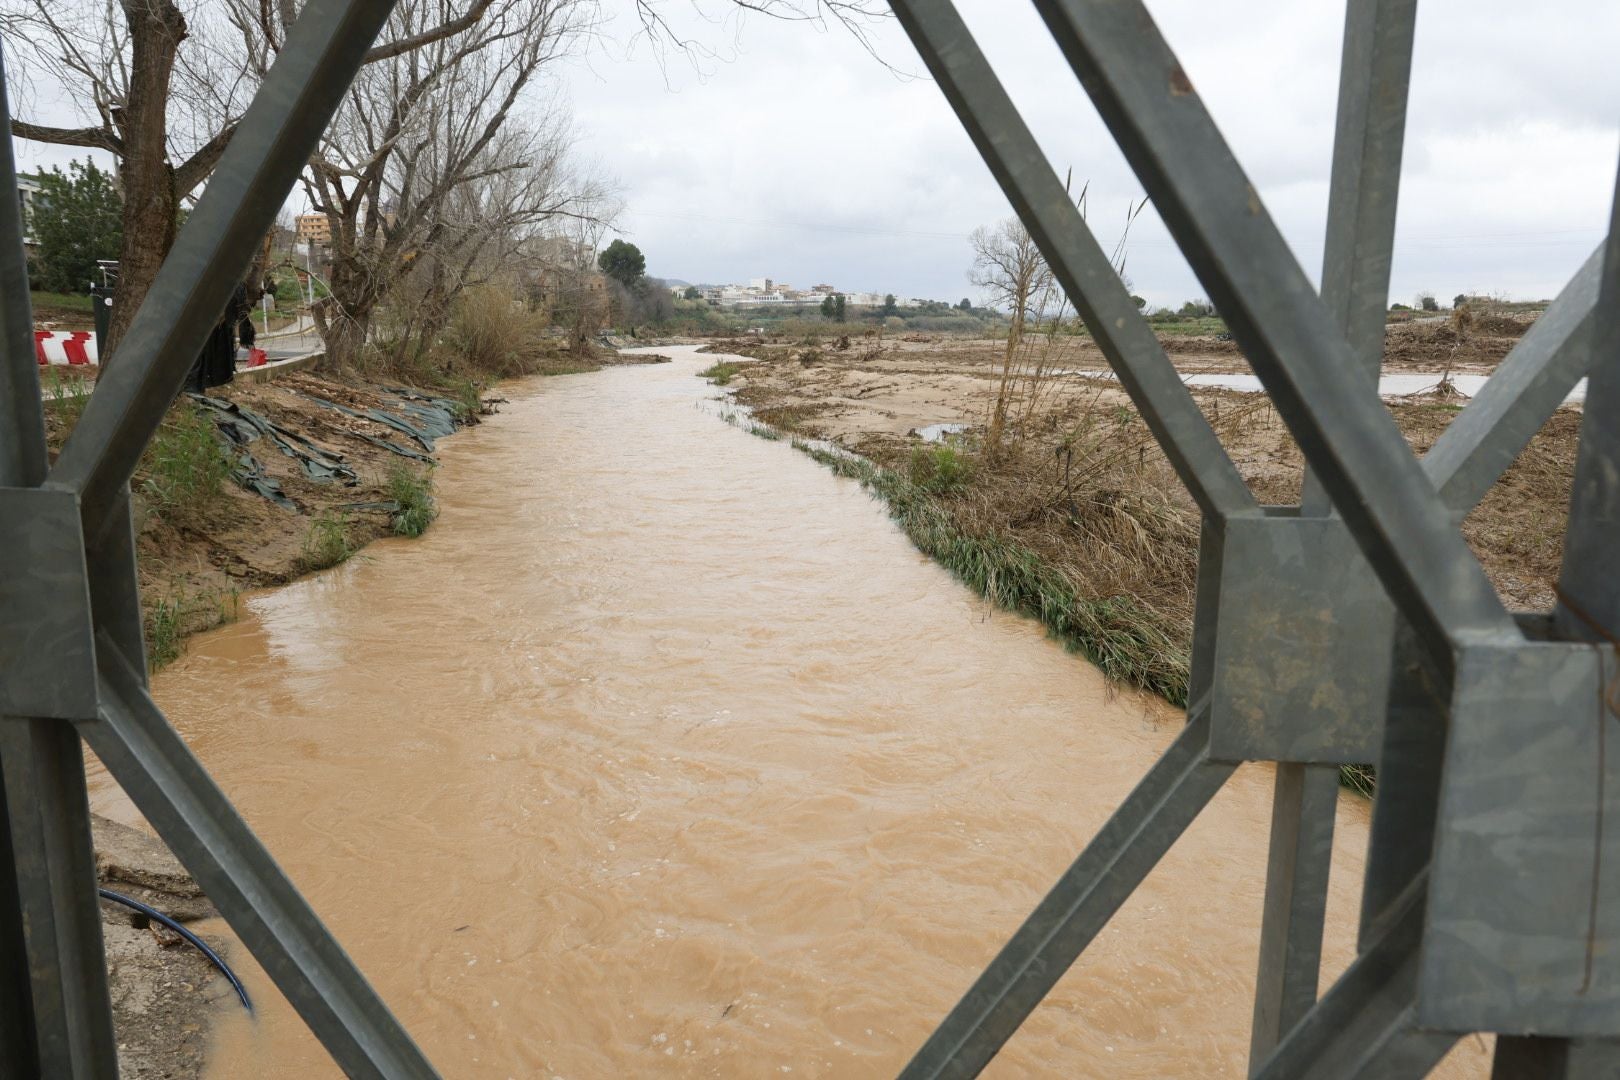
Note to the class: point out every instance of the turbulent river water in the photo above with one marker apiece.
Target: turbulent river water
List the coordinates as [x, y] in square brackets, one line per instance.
[664, 752]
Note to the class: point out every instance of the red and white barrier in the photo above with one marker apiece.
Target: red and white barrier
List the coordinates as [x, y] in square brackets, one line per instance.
[72, 347]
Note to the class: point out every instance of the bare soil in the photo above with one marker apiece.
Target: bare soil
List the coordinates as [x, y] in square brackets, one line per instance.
[163, 990]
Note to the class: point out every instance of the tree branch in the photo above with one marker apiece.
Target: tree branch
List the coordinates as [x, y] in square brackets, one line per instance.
[96, 137]
[197, 167]
[391, 49]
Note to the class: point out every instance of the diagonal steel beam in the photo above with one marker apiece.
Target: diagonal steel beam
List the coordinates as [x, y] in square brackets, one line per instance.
[1527, 387]
[57, 1016]
[1043, 203]
[274, 140]
[1364, 1027]
[1589, 584]
[1588, 607]
[1218, 220]
[168, 785]
[1128, 846]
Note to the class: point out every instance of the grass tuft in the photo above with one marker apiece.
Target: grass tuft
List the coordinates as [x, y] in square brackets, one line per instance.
[721, 372]
[326, 543]
[412, 489]
[185, 468]
[170, 619]
[940, 469]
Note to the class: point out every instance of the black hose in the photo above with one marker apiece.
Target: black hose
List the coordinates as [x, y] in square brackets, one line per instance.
[202, 946]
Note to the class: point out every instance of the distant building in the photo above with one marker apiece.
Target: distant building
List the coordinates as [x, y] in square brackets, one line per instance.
[28, 198]
[314, 229]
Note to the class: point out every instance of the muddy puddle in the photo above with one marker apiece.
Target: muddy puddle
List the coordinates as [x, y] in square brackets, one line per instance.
[664, 753]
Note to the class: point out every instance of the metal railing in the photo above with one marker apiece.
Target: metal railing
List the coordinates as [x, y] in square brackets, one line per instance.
[1355, 627]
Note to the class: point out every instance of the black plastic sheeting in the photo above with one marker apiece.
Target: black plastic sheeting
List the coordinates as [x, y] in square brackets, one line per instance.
[246, 471]
[425, 419]
[242, 426]
[434, 418]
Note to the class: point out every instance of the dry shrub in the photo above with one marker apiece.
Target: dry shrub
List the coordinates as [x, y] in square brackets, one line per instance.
[493, 334]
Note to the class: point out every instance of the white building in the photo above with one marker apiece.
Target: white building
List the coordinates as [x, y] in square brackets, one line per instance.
[27, 198]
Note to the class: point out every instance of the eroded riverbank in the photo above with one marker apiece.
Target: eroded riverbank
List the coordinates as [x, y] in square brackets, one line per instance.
[663, 751]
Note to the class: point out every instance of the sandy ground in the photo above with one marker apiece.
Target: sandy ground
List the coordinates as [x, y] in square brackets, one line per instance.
[874, 398]
[164, 991]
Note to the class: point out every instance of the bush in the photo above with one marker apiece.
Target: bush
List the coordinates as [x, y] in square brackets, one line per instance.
[720, 373]
[412, 491]
[493, 333]
[940, 470]
[185, 467]
[327, 542]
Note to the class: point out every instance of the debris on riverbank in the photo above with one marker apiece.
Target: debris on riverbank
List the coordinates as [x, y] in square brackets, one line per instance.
[1079, 520]
[255, 484]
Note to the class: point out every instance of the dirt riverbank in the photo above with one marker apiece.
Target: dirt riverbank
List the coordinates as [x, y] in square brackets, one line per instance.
[1082, 489]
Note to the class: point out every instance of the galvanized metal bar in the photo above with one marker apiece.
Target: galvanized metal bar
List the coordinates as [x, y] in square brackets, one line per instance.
[1537, 1057]
[1364, 1026]
[1412, 754]
[1047, 209]
[1127, 847]
[1588, 607]
[22, 463]
[61, 915]
[58, 1014]
[1375, 70]
[1530, 383]
[168, 785]
[1303, 804]
[18, 1056]
[1588, 595]
[1217, 218]
[271, 145]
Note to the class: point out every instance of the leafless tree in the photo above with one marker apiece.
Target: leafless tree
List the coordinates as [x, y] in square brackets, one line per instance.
[161, 87]
[493, 228]
[431, 132]
[162, 84]
[1011, 270]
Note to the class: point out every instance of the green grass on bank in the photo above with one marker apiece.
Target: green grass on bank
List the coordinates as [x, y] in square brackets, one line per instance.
[720, 373]
[65, 301]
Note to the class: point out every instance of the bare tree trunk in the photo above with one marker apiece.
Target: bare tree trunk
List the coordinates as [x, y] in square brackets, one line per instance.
[151, 201]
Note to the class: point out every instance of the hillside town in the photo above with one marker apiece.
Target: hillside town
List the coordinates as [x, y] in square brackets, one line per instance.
[766, 290]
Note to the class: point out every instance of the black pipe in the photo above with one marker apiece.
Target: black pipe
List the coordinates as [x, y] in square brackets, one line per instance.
[213, 957]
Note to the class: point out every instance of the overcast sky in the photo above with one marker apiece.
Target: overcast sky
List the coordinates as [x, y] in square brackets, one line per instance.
[801, 158]
[797, 156]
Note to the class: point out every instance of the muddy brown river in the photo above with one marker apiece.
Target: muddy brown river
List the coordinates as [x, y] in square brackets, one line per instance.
[664, 753]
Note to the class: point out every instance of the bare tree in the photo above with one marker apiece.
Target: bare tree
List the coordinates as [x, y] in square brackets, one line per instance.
[428, 132]
[1011, 270]
[162, 88]
[492, 229]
